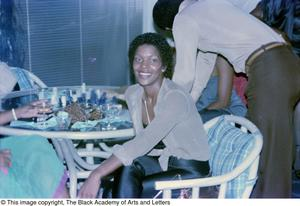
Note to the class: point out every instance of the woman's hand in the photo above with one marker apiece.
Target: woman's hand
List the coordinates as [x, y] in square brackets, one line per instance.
[91, 186]
[5, 159]
[35, 109]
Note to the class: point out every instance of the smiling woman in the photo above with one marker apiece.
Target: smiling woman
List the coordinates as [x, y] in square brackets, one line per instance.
[170, 138]
[147, 66]
[151, 56]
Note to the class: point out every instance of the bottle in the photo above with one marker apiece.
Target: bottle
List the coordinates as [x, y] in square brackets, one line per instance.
[63, 100]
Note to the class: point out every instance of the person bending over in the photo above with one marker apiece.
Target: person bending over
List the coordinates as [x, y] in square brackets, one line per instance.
[251, 47]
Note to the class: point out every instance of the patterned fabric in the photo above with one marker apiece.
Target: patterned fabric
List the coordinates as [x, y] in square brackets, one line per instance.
[229, 147]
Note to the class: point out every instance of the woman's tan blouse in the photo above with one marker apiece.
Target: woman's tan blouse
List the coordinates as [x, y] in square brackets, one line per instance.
[176, 122]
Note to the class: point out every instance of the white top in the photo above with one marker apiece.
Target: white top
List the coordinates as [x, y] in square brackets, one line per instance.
[245, 5]
[214, 26]
[7, 79]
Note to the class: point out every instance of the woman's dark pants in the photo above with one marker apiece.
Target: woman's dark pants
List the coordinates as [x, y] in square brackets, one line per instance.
[137, 180]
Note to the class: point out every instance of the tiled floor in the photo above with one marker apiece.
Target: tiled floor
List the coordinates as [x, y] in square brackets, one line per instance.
[296, 187]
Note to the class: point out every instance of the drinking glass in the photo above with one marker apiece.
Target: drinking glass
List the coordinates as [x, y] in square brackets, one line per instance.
[111, 111]
[42, 94]
[42, 120]
[63, 120]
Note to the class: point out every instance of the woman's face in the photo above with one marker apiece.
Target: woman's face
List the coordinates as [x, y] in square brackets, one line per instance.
[147, 65]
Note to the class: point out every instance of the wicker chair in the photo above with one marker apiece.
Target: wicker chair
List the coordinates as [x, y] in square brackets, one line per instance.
[36, 81]
[235, 147]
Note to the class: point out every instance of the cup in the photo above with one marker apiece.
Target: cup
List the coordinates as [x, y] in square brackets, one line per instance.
[111, 112]
[63, 120]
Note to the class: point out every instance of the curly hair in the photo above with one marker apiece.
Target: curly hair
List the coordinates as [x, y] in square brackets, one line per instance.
[156, 40]
[164, 12]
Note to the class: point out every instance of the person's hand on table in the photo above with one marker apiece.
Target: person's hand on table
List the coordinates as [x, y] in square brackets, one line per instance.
[35, 109]
[90, 187]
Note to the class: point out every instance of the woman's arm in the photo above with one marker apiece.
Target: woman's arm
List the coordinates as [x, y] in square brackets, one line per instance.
[91, 186]
[159, 127]
[6, 117]
[35, 109]
[225, 81]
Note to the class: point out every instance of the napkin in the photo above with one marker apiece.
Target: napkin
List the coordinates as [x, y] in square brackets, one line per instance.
[50, 123]
[124, 116]
[84, 126]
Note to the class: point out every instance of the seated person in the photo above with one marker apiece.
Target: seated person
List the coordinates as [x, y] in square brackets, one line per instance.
[29, 166]
[164, 117]
[219, 97]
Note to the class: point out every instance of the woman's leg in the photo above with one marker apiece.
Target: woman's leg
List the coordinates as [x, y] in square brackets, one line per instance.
[137, 180]
[178, 169]
[128, 181]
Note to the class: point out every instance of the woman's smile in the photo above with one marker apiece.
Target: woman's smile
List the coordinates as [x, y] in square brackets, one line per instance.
[147, 65]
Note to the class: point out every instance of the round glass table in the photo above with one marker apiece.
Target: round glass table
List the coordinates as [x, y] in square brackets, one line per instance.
[81, 140]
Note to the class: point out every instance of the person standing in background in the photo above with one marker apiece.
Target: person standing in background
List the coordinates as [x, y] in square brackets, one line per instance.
[284, 17]
[252, 47]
